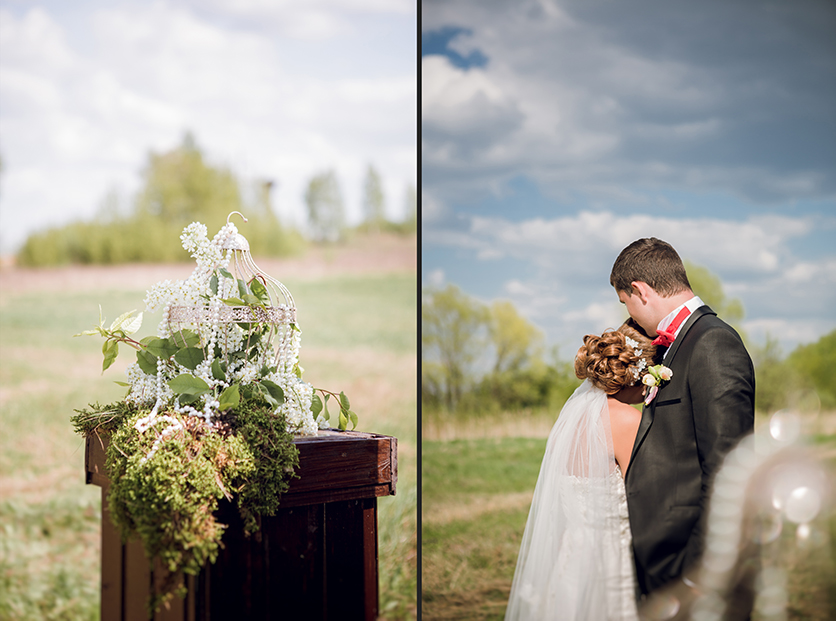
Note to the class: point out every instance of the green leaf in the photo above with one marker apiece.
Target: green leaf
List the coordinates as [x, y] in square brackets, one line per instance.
[252, 300]
[189, 357]
[187, 399]
[121, 383]
[343, 421]
[354, 419]
[242, 288]
[110, 349]
[225, 273]
[293, 326]
[275, 391]
[147, 362]
[230, 398]
[316, 405]
[217, 371]
[161, 348]
[265, 370]
[213, 284]
[260, 291]
[185, 338]
[92, 332]
[132, 325]
[186, 384]
[326, 414]
[233, 302]
[344, 401]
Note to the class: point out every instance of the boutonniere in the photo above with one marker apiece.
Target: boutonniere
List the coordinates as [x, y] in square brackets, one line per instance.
[657, 376]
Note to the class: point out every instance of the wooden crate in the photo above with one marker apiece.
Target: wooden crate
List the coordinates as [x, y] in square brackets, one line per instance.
[315, 559]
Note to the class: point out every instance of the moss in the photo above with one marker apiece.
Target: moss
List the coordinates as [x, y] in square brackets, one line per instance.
[166, 482]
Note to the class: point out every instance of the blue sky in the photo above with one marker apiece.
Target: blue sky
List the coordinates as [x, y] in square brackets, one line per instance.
[273, 90]
[554, 133]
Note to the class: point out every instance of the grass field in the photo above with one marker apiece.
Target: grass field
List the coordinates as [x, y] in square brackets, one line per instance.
[359, 335]
[475, 498]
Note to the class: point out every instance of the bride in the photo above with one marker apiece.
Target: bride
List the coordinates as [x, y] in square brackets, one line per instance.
[576, 558]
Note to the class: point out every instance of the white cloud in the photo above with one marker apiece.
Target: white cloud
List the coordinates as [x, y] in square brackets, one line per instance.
[436, 278]
[570, 258]
[81, 110]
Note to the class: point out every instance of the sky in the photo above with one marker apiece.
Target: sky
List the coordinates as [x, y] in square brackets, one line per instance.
[277, 91]
[555, 133]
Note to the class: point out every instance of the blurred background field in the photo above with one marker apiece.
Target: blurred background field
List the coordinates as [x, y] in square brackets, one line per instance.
[476, 495]
[357, 309]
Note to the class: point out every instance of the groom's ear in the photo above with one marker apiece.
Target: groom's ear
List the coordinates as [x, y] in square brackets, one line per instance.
[642, 290]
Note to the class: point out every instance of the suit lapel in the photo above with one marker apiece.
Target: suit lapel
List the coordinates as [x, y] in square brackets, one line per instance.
[702, 310]
[649, 411]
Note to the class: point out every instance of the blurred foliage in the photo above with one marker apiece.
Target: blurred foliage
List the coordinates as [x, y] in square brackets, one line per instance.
[374, 202]
[805, 380]
[710, 290]
[453, 336]
[488, 359]
[485, 359]
[179, 187]
[325, 207]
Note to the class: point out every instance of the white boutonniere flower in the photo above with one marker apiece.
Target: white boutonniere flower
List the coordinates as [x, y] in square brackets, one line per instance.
[657, 376]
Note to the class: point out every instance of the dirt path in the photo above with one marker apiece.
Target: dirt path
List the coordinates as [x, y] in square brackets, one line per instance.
[379, 254]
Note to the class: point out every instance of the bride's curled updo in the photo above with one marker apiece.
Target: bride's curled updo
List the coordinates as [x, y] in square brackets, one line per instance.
[610, 363]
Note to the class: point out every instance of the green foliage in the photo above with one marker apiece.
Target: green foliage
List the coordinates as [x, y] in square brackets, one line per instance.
[453, 335]
[516, 341]
[458, 332]
[180, 187]
[275, 458]
[166, 481]
[374, 202]
[538, 385]
[325, 206]
[710, 290]
[815, 367]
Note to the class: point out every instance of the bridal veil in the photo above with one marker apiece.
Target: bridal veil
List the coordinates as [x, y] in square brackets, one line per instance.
[574, 561]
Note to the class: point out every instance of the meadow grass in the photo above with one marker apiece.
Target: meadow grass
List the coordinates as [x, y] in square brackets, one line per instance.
[475, 499]
[359, 335]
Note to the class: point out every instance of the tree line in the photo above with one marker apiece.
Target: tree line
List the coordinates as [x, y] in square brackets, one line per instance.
[487, 358]
[180, 187]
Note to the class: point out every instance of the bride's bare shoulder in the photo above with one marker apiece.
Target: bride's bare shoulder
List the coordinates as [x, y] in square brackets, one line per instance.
[622, 414]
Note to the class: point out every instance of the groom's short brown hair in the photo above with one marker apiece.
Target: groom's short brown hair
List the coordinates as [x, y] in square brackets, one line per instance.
[651, 261]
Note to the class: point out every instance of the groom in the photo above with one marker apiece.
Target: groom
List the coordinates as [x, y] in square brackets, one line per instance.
[693, 421]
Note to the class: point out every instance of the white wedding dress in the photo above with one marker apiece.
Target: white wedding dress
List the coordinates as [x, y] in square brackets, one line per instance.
[576, 558]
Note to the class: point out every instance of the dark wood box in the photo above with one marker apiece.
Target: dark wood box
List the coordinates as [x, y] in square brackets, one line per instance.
[315, 559]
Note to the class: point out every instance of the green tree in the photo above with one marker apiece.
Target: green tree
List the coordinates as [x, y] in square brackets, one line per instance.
[710, 289]
[411, 203]
[374, 201]
[774, 380]
[453, 329]
[815, 367]
[180, 187]
[514, 338]
[325, 207]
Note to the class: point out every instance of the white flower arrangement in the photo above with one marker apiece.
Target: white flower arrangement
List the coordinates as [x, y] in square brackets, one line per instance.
[201, 357]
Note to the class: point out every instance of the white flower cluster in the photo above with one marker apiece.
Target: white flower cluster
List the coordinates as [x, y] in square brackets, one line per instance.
[228, 338]
[642, 364]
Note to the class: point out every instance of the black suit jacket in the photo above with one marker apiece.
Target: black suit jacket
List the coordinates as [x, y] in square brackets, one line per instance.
[683, 436]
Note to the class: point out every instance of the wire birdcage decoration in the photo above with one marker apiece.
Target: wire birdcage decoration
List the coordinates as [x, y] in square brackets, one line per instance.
[262, 328]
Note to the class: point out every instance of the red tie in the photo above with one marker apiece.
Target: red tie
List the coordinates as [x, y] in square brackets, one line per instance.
[667, 336]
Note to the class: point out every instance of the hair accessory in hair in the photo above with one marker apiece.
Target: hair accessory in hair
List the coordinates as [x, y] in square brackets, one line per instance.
[636, 370]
